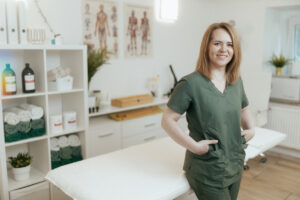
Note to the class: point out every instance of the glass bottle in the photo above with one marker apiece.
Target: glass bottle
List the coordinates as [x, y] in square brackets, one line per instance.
[28, 81]
[9, 85]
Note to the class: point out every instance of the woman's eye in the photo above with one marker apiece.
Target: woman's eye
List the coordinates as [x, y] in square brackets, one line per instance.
[230, 45]
[217, 43]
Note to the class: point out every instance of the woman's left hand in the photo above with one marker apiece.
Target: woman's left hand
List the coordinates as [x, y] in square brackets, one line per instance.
[248, 134]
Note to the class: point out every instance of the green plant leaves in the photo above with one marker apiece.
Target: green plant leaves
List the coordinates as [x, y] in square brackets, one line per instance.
[21, 160]
[96, 58]
[280, 61]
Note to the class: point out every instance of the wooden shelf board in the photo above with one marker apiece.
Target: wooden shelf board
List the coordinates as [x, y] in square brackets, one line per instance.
[41, 47]
[23, 95]
[68, 132]
[36, 176]
[112, 109]
[65, 92]
[26, 140]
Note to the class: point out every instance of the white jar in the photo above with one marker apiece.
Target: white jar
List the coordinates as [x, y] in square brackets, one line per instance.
[56, 124]
[70, 122]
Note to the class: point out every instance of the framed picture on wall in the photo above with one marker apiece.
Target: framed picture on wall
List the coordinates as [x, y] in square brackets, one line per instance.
[138, 26]
[100, 25]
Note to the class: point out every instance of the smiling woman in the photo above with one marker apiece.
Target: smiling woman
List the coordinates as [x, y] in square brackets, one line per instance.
[216, 107]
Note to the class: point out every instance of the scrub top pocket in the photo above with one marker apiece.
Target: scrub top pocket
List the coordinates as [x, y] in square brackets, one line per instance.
[209, 168]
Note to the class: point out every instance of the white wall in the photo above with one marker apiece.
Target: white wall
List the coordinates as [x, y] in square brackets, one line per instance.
[177, 44]
[277, 30]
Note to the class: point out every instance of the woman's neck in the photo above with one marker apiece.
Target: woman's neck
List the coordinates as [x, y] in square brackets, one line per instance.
[218, 74]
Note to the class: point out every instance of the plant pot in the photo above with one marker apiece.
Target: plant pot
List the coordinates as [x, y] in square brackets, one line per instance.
[278, 71]
[21, 174]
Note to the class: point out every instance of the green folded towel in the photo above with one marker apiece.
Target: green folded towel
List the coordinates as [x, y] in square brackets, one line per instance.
[37, 132]
[55, 156]
[76, 151]
[10, 129]
[65, 153]
[13, 137]
[38, 123]
[65, 161]
[24, 127]
[55, 164]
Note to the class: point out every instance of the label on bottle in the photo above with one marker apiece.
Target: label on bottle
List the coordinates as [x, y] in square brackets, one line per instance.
[29, 82]
[10, 84]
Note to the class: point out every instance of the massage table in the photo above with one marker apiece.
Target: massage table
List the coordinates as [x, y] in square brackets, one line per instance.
[149, 171]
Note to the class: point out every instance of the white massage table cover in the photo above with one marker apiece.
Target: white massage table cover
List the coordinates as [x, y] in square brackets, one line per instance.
[148, 171]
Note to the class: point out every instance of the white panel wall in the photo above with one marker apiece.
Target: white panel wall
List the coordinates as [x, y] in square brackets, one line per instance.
[177, 44]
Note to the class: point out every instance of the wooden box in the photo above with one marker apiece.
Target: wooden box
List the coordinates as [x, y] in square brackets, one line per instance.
[122, 116]
[132, 100]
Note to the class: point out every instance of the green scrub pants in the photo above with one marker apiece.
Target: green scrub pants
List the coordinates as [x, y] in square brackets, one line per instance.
[205, 192]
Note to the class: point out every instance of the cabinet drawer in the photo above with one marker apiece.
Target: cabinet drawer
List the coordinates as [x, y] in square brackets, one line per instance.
[103, 123]
[105, 139]
[144, 137]
[140, 125]
[34, 192]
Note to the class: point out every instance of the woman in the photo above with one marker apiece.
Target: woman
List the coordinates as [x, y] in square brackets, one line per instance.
[216, 107]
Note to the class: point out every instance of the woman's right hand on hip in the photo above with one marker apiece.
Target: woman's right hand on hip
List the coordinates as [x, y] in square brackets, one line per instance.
[202, 146]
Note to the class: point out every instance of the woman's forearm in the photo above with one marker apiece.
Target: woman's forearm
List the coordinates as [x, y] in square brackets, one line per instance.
[174, 130]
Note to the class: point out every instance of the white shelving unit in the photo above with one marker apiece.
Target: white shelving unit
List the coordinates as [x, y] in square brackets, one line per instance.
[42, 58]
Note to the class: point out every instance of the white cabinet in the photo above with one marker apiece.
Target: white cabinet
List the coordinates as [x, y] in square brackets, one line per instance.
[141, 130]
[34, 192]
[41, 58]
[105, 135]
[143, 137]
[140, 125]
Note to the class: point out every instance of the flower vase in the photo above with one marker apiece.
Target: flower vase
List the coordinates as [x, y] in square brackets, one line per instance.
[21, 174]
[278, 71]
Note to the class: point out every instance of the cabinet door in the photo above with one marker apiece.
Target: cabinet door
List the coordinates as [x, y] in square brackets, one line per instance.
[34, 192]
[140, 125]
[105, 135]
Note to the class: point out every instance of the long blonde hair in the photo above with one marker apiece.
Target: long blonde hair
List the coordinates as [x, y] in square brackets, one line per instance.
[233, 67]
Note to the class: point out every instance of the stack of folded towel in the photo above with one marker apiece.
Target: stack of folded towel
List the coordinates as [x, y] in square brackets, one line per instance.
[23, 122]
[37, 119]
[65, 150]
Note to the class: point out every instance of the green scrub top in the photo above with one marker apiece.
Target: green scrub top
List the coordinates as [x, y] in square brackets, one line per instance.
[212, 115]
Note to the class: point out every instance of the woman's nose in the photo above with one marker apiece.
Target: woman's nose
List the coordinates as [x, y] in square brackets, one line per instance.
[223, 47]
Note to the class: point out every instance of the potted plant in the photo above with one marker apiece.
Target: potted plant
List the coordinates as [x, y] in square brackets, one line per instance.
[21, 166]
[279, 63]
[96, 58]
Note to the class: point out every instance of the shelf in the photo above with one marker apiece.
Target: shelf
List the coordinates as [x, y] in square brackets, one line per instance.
[112, 109]
[26, 141]
[41, 47]
[23, 95]
[65, 92]
[68, 132]
[35, 177]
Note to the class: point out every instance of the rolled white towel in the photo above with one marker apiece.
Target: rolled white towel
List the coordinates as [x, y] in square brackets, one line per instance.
[23, 115]
[36, 111]
[63, 142]
[74, 140]
[11, 118]
[54, 144]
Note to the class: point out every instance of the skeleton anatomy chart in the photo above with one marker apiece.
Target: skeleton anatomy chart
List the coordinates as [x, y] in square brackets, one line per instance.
[100, 25]
[138, 31]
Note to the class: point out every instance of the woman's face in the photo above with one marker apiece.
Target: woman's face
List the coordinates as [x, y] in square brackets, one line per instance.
[220, 48]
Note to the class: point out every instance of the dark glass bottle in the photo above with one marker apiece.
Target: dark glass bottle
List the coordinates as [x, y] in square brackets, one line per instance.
[9, 85]
[28, 81]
